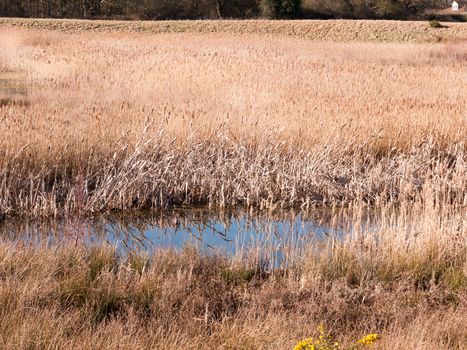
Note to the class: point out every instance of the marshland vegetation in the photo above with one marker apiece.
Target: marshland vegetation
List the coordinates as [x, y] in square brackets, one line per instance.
[126, 121]
[405, 280]
[122, 120]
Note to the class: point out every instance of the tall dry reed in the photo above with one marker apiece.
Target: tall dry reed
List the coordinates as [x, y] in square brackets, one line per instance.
[120, 121]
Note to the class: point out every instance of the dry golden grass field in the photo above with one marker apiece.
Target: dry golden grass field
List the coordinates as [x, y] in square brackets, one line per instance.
[350, 115]
[96, 122]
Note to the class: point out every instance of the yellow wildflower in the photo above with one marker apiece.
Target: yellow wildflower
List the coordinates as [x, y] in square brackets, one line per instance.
[326, 342]
[306, 344]
[369, 339]
[321, 331]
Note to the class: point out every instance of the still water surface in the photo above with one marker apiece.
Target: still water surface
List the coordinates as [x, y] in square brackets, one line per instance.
[230, 233]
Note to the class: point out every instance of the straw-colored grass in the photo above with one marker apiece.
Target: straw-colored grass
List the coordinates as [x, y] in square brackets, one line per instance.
[406, 280]
[315, 30]
[94, 122]
[119, 121]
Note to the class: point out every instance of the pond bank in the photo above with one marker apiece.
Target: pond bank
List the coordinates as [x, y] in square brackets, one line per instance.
[72, 296]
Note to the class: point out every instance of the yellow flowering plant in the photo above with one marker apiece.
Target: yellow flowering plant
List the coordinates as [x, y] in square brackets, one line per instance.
[368, 339]
[325, 342]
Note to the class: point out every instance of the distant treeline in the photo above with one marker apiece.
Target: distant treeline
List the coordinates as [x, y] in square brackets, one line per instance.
[211, 9]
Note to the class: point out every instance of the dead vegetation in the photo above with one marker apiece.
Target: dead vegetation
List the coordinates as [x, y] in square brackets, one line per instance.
[315, 30]
[405, 280]
[119, 122]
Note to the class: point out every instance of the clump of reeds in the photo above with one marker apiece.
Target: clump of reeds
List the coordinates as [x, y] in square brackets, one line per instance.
[159, 175]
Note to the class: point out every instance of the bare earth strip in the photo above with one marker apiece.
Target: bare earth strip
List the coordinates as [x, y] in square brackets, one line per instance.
[332, 30]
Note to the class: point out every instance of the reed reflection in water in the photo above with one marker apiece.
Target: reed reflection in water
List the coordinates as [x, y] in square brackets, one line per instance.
[276, 238]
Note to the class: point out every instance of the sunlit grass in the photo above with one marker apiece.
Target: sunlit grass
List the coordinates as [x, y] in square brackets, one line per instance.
[119, 121]
[316, 30]
[402, 281]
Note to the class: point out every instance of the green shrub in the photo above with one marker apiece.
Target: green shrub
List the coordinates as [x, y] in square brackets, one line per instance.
[435, 24]
[107, 303]
[74, 292]
[238, 276]
[275, 9]
[389, 9]
[100, 261]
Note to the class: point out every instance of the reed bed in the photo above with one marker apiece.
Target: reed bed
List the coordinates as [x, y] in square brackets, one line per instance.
[119, 121]
[116, 121]
[405, 280]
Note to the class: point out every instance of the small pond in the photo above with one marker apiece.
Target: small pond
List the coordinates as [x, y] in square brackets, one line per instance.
[13, 88]
[227, 232]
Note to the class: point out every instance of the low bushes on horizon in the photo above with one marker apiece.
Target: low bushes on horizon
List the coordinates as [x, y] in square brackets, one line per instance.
[204, 9]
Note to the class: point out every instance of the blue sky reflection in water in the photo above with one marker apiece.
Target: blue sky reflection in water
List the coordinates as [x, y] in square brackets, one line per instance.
[233, 233]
